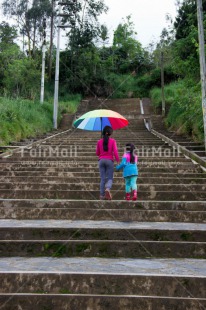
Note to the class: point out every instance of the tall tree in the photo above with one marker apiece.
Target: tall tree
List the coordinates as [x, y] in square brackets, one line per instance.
[8, 33]
[84, 16]
[9, 50]
[51, 39]
[128, 52]
[29, 15]
[82, 56]
[103, 34]
[185, 47]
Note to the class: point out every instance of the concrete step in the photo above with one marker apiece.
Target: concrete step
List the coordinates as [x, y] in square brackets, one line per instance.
[93, 160]
[78, 151]
[117, 180]
[103, 302]
[76, 163]
[103, 248]
[149, 211]
[141, 153]
[91, 141]
[100, 283]
[94, 194]
[196, 147]
[157, 267]
[194, 205]
[64, 169]
[65, 230]
[39, 168]
[85, 139]
[83, 186]
[126, 214]
[200, 153]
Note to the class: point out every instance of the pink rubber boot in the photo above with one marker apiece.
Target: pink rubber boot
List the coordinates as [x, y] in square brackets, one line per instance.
[134, 195]
[127, 196]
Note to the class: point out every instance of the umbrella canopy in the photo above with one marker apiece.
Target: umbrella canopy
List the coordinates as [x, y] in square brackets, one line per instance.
[96, 120]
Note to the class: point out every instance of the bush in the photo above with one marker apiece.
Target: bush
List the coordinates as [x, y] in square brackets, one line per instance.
[142, 86]
[183, 103]
[22, 118]
[22, 79]
[121, 85]
[69, 103]
[172, 91]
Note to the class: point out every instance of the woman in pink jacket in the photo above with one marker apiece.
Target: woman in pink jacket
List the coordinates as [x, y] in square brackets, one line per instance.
[107, 150]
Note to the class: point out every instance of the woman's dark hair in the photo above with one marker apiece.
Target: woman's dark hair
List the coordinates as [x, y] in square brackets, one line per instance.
[107, 131]
[130, 148]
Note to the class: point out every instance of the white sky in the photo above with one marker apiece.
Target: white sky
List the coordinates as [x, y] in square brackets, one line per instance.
[149, 16]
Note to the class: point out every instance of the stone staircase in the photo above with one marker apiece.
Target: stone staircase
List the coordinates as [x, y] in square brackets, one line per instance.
[62, 248]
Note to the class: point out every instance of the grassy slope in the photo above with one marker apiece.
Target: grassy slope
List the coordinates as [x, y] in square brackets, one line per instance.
[23, 118]
[183, 103]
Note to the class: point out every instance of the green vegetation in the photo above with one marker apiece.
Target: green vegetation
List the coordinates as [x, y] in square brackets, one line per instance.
[187, 236]
[121, 85]
[55, 249]
[22, 118]
[182, 90]
[69, 103]
[64, 291]
[184, 108]
[90, 66]
[81, 247]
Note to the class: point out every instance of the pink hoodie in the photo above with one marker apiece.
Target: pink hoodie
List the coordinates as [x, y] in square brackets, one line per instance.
[112, 150]
[127, 156]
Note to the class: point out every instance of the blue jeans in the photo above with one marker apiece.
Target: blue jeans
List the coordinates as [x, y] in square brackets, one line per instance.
[106, 169]
[131, 183]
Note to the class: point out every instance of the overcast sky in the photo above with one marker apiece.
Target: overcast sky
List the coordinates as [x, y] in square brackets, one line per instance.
[149, 16]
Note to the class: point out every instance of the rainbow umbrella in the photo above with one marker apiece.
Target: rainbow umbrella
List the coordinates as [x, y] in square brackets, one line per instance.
[96, 120]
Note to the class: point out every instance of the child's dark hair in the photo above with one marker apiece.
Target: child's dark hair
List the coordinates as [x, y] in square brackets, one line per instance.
[130, 148]
[107, 131]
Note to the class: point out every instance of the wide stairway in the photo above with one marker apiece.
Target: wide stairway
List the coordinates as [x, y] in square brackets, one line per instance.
[63, 248]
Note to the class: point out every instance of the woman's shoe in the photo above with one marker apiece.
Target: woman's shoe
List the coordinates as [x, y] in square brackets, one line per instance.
[108, 195]
[134, 195]
[127, 196]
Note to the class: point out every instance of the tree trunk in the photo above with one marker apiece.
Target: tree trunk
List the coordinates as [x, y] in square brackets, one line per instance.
[51, 41]
[34, 40]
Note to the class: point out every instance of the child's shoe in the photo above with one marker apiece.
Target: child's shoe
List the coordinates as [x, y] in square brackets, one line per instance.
[108, 195]
[102, 197]
[134, 195]
[127, 196]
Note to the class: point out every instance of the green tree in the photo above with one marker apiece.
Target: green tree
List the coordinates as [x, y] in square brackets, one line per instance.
[81, 60]
[84, 16]
[103, 34]
[185, 48]
[9, 50]
[8, 34]
[127, 51]
[29, 19]
[22, 78]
